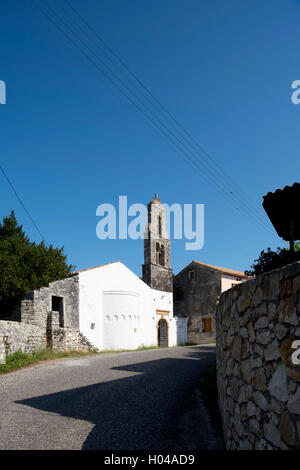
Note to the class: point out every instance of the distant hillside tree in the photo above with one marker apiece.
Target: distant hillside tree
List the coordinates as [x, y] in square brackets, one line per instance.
[25, 265]
[269, 260]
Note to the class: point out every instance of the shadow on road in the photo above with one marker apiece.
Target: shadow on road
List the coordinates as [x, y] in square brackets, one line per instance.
[141, 411]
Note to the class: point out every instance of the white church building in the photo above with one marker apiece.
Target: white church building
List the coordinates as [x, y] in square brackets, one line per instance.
[117, 310]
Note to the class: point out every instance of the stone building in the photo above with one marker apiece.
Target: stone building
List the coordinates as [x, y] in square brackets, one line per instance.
[197, 288]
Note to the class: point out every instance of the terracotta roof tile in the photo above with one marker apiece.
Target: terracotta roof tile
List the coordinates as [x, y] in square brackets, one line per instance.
[230, 272]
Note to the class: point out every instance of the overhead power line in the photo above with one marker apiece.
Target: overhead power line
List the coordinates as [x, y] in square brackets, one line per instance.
[134, 79]
[23, 205]
[212, 171]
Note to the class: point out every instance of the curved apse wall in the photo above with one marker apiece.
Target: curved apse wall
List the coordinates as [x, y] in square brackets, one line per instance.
[121, 319]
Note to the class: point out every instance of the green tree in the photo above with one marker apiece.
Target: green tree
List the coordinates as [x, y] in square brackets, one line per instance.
[25, 265]
[269, 260]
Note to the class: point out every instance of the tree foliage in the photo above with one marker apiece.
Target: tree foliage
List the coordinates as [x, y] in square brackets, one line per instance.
[25, 265]
[269, 260]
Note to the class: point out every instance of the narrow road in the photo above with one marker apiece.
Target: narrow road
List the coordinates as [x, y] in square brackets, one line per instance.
[124, 401]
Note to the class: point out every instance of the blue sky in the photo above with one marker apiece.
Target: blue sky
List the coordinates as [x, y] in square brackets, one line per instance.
[68, 143]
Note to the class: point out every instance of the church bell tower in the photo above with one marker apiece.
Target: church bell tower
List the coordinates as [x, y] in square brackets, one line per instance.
[156, 268]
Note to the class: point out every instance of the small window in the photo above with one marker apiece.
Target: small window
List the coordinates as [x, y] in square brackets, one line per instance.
[159, 225]
[58, 306]
[178, 294]
[191, 275]
[207, 325]
[92, 326]
[157, 253]
[56, 303]
[162, 256]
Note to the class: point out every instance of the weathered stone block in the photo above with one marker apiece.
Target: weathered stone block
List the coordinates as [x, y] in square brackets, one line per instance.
[251, 332]
[287, 311]
[234, 389]
[272, 312]
[260, 400]
[278, 384]
[259, 380]
[287, 429]
[236, 348]
[286, 351]
[285, 288]
[257, 297]
[251, 409]
[263, 337]
[245, 393]
[272, 434]
[262, 322]
[244, 301]
[245, 349]
[280, 331]
[272, 352]
[294, 402]
[294, 374]
[247, 370]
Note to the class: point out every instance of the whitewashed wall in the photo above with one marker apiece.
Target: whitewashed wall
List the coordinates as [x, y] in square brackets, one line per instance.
[163, 302]
[118, 310]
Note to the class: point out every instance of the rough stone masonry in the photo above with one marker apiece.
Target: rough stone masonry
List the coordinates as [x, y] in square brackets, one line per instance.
[36, 325]
[258, 385]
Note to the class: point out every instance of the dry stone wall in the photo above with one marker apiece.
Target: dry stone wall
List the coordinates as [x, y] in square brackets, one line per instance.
[27, 338]
[258, 385]
[22, 337]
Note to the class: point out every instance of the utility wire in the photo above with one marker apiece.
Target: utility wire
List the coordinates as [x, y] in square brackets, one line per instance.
[23, 205]
[132, 74]
[195, 163]
[220, 180]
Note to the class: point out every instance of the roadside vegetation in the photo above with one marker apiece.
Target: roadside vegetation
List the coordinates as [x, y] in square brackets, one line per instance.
[269, 260]
[26, 265]
[19, 360]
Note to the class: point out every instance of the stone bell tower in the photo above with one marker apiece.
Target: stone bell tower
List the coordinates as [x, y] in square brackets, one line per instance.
[156, 268]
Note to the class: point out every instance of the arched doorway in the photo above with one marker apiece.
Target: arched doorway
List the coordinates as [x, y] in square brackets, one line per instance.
[162, 333]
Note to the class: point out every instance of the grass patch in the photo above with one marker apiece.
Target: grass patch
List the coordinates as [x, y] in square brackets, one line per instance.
[19, 360]
[209, 391]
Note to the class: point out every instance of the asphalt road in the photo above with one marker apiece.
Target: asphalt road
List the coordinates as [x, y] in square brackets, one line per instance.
[125, 401]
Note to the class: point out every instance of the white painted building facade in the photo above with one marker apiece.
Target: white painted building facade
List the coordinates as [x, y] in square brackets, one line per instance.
[117, 310]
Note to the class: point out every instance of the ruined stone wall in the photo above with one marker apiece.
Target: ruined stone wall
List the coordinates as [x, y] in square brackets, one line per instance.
[65, 339]
[26, 338]
[22, 337]
[258, 385]
[36, 306]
